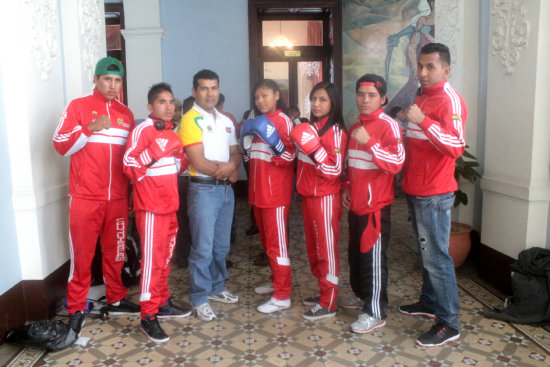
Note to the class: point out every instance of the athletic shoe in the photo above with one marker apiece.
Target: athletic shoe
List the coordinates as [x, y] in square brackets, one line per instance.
[265, 289]
[438, 335]
[224, 297]
[150, 326]
[274, 305]
[311, 301]
[318, 312]
[205, 312]
[366, 323]
[417, 309]
[351, 302]
[122, 307]
[171, 310]
[76, 321]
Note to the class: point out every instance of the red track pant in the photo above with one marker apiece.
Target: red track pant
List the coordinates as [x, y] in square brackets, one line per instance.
[321, 224]
[273, 234]
[89, 219]
[157, 233]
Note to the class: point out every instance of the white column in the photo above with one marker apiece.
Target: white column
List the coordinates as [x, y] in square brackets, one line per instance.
[516, 181]
[143, 36]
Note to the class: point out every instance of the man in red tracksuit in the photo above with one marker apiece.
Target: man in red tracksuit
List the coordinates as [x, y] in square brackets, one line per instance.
[375, 155]
[435, 138]
[93, 132]
[154, 157]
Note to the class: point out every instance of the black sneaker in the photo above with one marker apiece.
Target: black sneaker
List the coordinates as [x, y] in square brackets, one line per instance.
[76, 321]
[122, 307]
[150, 326]
[438, 335]
[318, 312]
[171, 310]
[311, 301]
[417, 309]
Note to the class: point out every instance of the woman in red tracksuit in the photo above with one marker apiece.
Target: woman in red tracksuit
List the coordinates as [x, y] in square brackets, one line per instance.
[375, 155]
[320, 159]
[270, 192]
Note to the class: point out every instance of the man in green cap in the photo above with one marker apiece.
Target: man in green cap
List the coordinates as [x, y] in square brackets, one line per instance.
[93, 132]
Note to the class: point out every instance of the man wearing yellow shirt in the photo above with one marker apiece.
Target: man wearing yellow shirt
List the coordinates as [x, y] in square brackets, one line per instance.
[210, 143]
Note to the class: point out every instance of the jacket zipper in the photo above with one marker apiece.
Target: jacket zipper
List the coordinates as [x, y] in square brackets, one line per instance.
[110, 156]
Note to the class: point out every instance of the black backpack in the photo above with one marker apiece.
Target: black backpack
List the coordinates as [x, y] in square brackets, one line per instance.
[530, 300]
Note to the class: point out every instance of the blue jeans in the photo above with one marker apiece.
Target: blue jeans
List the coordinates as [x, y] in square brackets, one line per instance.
[431, 217]
[210, 210]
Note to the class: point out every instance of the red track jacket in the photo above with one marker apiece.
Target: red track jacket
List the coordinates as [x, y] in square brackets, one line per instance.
[271, 178]
[314, 179]
[433, 146]
[371, 167]
[96, 157]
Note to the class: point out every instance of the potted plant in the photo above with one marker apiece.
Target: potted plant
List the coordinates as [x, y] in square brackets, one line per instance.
[459, 241]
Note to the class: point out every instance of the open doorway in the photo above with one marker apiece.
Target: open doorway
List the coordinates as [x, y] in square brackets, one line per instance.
[297, 44]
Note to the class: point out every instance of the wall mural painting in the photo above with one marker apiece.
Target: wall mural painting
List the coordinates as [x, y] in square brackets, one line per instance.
[383, 37]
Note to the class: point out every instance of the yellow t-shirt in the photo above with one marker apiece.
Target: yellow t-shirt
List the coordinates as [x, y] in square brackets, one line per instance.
[215, 134]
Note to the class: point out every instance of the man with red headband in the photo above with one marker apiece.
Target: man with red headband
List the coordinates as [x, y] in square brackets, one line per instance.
[375, 155]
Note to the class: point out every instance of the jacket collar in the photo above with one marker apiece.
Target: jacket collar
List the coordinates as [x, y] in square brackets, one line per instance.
[435, 88]
[365, 119]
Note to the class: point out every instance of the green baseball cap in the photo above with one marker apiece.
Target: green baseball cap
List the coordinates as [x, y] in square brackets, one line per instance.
[102, 66]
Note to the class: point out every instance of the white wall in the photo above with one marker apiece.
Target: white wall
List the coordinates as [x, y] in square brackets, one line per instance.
[49, 62]
[10, 268]
[516, 179]
[207, 34]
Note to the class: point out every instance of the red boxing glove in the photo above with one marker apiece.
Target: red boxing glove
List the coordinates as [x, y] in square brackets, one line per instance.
[165, 143]
[305, 136]
[182, 162]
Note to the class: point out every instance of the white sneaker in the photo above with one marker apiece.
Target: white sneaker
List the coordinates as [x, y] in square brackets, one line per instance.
[224, 297]
[264, 289]
[366, 323]
[274, 305]
[205, 312]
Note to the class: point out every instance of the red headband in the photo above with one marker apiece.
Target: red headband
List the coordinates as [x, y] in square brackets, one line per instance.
[377, 84]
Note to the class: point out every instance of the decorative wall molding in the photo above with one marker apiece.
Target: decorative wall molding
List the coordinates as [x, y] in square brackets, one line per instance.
[449, 24]
[91, 31]
[522, 191]
[143, 33]
[44, 21]
[510, 32]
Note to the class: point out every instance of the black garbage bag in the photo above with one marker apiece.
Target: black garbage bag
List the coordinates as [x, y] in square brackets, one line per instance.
[53, 335]
[530, 301]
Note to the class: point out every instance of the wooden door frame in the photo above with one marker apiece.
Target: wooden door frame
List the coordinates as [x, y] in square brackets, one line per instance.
[254, 32]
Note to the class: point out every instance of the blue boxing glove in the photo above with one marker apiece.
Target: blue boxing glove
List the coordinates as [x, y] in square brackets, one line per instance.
[265, 130]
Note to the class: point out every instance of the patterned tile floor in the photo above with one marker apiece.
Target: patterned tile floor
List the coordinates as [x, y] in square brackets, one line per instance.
[244, 337]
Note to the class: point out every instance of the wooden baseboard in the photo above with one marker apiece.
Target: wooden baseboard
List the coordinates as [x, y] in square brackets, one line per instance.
[32, 300]
[494, 268]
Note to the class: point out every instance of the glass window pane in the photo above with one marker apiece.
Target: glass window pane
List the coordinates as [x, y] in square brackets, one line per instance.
[278, 71]
[309, 74]
[292, 33]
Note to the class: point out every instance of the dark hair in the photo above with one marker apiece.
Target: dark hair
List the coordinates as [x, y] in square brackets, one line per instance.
[379, 84]
[204, 74]
[271, 84]
[221, 100]
[113, 67]
[187, 104]
[440, 48]
[157, 89]
[335, 115]
[293, 107]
